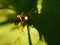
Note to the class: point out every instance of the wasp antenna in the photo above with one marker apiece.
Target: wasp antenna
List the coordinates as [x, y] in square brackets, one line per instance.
[30, 11]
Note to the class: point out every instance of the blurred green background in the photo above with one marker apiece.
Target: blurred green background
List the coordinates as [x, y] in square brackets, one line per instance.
[47, 22]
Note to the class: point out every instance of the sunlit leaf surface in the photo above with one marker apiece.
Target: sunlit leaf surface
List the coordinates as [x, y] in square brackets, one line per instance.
[19, 37]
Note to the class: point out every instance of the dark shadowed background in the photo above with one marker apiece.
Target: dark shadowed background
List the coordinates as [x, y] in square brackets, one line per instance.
[47, 22]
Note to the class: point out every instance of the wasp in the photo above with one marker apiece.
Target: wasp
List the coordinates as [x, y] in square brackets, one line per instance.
[23, 18]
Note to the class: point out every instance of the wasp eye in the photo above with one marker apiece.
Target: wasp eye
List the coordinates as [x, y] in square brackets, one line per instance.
[26, 18]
